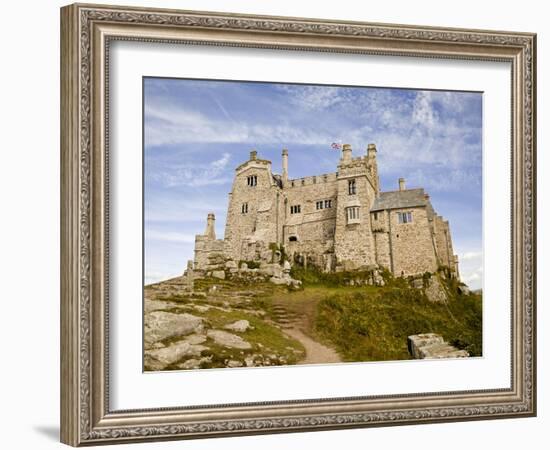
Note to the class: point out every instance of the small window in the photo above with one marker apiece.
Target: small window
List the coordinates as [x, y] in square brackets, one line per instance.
[295, 209]
[252, 180]
[375, 216]
[328, 203]
[404, 217]
[352, 187]
[319, 205]
[352, 214]
[244, 208]
[292, 238]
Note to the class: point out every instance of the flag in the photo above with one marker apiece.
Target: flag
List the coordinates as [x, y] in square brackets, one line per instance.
[336, 146]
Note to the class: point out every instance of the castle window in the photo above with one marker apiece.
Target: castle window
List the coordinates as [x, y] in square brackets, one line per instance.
[328, 203]
[295, 209]
[244, 208]
[404, 217]
[352, 187]
[292, 238]
[375, 216]
[352, 214]
[319, 205]
[252, 180]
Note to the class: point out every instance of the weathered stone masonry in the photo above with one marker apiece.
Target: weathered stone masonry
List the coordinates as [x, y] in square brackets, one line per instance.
[335, 221]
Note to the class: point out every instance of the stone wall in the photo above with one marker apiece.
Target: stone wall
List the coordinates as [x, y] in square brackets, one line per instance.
[411, 245]
[312, 230]
[206, 249]
[444, 244]
[380, 228]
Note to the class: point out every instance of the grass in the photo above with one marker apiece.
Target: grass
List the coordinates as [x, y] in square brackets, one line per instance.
[372, 324]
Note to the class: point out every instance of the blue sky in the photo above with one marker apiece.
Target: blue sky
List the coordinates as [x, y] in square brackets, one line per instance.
[197, 131]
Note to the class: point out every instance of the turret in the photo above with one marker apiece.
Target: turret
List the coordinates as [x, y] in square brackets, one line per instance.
[346, 153]
[371, 151]
[210, 232]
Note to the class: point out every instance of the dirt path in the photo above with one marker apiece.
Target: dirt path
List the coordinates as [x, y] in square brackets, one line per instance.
[316, 353]
[296, 317]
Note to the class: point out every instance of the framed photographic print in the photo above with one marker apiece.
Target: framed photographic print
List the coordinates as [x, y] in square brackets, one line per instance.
[278, 224]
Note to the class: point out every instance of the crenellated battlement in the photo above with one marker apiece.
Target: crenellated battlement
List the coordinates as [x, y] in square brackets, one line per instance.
[312, 180]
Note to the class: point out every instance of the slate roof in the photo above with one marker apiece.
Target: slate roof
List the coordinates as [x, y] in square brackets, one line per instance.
[400, 199]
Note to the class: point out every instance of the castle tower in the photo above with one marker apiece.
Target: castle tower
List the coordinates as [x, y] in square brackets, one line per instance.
[253, 214]
[353, 237]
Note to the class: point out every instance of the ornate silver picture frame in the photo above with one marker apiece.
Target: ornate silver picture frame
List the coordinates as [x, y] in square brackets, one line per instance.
[87, 33]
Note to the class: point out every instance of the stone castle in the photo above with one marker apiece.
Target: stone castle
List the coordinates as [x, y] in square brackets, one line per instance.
[336, 221]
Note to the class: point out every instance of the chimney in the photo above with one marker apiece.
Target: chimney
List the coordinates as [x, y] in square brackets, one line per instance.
[346, 153]
[371, 151]
[285, 164]
[210, 232]
[253, 155]
[401, 184]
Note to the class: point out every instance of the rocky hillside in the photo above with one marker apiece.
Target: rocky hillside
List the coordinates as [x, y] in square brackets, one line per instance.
[269, 315]
[218, 323]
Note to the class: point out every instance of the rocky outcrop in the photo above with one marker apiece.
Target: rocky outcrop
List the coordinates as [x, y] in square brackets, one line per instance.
[228, 339]
[228, 269]
[432, 346]
[160, 325]
[435, 290]
[240, 326]
[163, 357]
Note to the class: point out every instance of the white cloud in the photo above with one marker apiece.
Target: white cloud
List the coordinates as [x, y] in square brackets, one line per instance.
[470, 266]
[155, 276]
[169, 236]
[423, 113]
[175, 125]
[313, 98]
[195, 174]
[469, 256]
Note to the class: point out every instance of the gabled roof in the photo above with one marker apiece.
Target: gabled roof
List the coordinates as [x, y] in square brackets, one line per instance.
[407, 198]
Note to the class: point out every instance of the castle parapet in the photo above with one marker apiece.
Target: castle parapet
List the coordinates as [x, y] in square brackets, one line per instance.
[317, 179]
